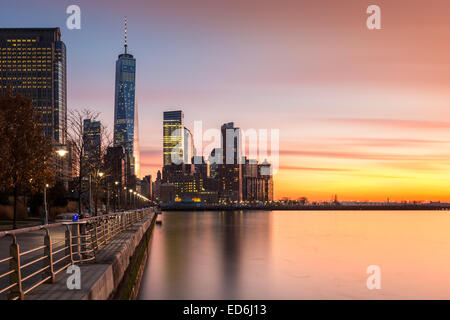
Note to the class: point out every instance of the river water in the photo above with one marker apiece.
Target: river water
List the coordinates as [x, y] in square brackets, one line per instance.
[298, 255]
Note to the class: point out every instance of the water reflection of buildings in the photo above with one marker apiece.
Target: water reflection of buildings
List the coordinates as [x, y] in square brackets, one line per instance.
[246, 250]
[232, 231]
[210, 255]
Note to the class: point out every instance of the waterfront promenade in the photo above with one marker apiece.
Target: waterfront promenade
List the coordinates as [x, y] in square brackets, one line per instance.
[106, 254]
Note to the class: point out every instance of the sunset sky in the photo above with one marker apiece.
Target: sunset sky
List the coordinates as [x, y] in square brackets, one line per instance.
[362, 114]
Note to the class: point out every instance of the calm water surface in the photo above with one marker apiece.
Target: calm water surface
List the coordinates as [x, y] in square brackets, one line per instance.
[298, 255]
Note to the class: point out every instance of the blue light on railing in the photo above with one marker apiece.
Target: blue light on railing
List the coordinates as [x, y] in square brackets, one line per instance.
[75, 217]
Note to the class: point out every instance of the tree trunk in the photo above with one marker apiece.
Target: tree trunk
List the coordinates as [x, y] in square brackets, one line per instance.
[79, 196]
[96, 197]
[15, 209]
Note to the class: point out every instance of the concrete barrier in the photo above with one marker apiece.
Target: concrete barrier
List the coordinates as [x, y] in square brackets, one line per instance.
[102, 279]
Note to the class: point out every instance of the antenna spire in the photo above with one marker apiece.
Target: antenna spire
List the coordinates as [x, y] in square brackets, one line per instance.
[125, 29]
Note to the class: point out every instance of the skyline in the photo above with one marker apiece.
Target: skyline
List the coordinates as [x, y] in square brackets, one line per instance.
[363, 121]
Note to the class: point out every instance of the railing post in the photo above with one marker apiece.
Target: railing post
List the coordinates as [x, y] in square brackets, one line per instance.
[83, 240]
[105, 232]
[68, 251]
[110, 229]
[15, 277]
[48, 261]
[95, 235]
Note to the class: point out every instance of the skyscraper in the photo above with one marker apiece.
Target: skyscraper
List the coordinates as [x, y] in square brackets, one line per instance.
[188, 146]
[33, 63]
[92, 139]
[229, 173]
[231, 143]
[173, 137]
[125, 115]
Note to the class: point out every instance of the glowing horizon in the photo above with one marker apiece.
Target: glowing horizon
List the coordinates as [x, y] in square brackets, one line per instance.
[362, 114]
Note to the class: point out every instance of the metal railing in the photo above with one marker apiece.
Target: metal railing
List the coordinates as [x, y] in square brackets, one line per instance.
[81, 241]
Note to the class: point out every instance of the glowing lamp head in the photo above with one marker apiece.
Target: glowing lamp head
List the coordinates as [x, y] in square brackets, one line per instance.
[62, 152]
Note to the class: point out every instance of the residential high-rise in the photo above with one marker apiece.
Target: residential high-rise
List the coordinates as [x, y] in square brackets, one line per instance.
[266, 174]
[125, 115]
[33, 63]
[173, 137]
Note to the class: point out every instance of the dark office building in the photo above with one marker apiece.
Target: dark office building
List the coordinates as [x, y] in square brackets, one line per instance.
[115, 164]
[92, 140]
[156, 187]
[33, 63]
[229, 173]
[146, 187]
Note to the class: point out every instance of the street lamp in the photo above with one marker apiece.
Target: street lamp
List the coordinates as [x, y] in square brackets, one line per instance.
[117, 196]
[100, 174]
[131, 194]
[60, 167]
[125, 198]
[61, 152]
[45, 217]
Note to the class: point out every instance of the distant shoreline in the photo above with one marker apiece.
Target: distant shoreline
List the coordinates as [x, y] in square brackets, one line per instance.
[333, 207]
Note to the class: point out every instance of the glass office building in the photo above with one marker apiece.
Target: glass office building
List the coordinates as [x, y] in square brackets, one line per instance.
[124, 107]
[173, 137]
[33, 63]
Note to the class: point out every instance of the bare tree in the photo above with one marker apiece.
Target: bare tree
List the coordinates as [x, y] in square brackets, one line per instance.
[97, 167]
[77, 141]
[86, 166]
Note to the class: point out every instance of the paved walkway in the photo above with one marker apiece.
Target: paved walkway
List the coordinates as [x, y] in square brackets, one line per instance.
[28, 241]
[98, 278]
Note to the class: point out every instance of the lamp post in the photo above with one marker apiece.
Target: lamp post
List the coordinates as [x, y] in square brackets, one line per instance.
[131, 195]
[125, 198]
[44, 209]
[134, 199]
[90, 194]
[61, 153]
[116, 198]
[107, 197]
[99, 176]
